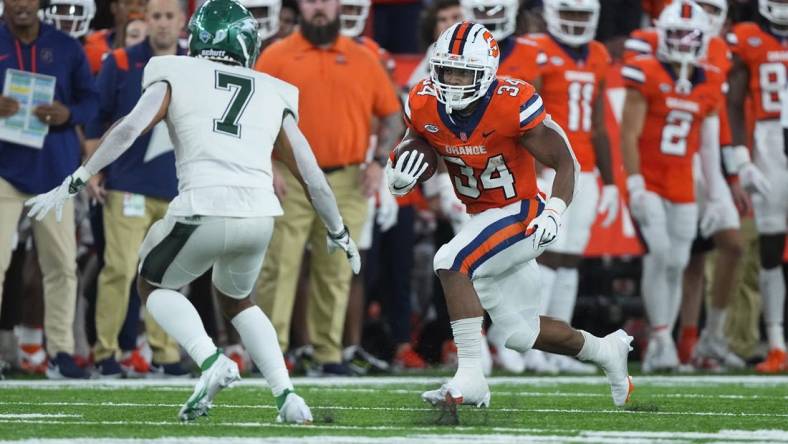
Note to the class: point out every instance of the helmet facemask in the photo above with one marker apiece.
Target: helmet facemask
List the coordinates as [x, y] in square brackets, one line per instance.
[498, 16]
[266, 14]
[353, 17]
[683, 33]
[458, 82]
[573, 24]
[776, 12]
[71, 16]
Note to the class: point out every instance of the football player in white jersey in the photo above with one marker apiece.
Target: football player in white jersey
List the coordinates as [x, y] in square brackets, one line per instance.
[225, 120]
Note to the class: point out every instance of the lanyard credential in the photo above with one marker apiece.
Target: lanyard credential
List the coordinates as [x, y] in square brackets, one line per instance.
[21, 61]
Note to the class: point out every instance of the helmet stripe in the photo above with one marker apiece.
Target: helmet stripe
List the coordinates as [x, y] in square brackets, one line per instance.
[686, 11]
[458, 39]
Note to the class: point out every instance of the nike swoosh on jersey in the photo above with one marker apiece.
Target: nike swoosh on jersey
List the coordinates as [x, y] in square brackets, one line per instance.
[487, 134]
[4, 56]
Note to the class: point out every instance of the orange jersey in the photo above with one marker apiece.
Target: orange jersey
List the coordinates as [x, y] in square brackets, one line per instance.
[518, 59]
[489, 167]
[766, 57]
[384, 56]
[570, 85]
[718, 55]
[671, 131]
[97, 45]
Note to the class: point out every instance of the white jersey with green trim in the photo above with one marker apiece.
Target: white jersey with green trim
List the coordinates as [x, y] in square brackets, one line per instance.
[223, 121]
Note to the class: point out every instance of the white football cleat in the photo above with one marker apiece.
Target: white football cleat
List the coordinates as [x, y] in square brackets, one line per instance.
[294, 411]
[711, 346]
[536, 361]
[661, 355]
[448, 395]
[222, 373]
[467, 387]
[509, 360]
[621, 386]
[567, 364]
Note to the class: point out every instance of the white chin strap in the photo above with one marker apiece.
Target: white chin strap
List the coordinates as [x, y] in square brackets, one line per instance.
[684, 85]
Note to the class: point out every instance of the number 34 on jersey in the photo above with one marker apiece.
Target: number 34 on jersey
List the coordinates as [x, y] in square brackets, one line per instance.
[489, 168]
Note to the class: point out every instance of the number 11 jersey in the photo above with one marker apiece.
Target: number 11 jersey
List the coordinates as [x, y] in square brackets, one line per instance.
[488, 166]
[223, 121]
[671, 131]
[572, 80]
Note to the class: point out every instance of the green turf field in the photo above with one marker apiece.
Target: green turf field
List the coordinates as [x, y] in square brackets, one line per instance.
[548, 409]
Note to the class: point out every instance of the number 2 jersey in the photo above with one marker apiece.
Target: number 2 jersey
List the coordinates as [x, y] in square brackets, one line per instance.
[766, 57]
[223, 121]
[671, 131]
[488, 166]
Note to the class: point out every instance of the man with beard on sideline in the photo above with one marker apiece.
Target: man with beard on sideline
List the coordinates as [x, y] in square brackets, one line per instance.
[342, 85]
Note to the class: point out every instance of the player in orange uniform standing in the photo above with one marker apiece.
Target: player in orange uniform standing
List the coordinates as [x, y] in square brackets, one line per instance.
[759, 71]
[670, 113]
[570, 77]
[489, 131]
[723, 234]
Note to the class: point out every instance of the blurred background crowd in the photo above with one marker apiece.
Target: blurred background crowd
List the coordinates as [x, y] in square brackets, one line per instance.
[69, 307]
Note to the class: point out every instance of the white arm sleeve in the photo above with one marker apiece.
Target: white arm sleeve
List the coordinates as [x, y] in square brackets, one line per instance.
[320, 193]
[710, 156]
[126, 131]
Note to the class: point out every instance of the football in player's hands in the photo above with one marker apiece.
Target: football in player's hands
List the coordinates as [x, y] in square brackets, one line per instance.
[420, 146]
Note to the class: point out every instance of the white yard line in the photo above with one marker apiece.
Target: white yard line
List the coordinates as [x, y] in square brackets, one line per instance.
[393, 409]
[36, 415]
[535, 381]
[523, 435]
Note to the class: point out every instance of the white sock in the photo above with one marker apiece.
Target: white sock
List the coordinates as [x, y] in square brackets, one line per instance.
[562, 302]
[468, 338]
[655, 290]
[772, 288]
[594, 349]
[28, 335]
[547, 277]
[177, 316]
[715, 322]
[259, 338]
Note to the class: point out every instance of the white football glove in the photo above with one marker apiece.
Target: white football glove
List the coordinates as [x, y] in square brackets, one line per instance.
[342, 241]
[753, 180]
[608, 204]
[43, 203]
[544, 227]
[405, 174]
[643, 204]
[387, 210]
[713, 212]
[737, 161]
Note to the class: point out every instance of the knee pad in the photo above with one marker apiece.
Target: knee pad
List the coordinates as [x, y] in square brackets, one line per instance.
[512, 301]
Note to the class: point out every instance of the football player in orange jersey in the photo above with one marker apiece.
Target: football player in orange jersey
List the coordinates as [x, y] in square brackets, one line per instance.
[670, 111]
[725, 237]
[500, 18]
[759, 71]
[571, 70]
[489, 131]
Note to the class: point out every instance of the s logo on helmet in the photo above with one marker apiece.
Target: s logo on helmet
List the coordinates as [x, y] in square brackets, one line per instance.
[494, 51]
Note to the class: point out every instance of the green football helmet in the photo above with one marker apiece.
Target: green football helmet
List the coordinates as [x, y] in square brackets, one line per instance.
[224, 31]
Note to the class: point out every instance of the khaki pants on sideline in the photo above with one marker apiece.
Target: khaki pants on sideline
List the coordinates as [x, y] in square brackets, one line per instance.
[744, 311]
[329, 275]
[124, 235]
[56, 244]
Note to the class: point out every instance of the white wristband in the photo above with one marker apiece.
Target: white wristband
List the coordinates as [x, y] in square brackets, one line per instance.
[734, 158]
[635, 182]
[556, 204]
